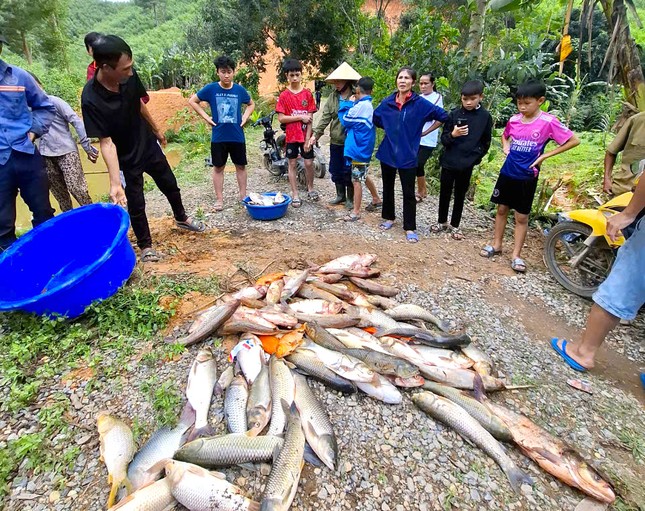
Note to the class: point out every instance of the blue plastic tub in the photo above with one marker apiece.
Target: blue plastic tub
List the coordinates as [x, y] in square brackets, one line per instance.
[70, 261]
[267, 212]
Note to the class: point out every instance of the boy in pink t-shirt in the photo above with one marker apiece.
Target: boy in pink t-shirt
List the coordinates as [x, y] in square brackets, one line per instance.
[524, 139]
[295, 108]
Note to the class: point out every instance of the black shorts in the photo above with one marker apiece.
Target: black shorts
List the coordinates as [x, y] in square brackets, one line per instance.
[221, 150]
[296, 148]
[517, 194]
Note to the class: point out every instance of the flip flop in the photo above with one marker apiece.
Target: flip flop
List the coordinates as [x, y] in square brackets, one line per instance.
[412, 237]
[193, 225]
[297, 202]
[518, 265]
[563, 353]
[437, 228]
[351, 217]
[387, 225]
[488, 251]
[313, 195]
[456, 233]
[373, 206]
[149, 255]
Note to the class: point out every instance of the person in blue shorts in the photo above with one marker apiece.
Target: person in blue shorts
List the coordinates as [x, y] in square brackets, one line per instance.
[621, 295]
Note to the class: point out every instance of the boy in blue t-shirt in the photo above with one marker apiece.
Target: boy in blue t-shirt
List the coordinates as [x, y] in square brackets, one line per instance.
[225, 99]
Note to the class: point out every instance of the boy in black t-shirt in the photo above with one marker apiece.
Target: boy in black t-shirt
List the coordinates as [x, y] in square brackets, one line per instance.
[114, 113]
[466, 139]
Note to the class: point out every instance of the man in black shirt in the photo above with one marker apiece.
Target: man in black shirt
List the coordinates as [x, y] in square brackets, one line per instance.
[129, 139]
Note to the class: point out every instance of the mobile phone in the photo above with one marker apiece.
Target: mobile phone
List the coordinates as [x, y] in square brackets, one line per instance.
[462, 121]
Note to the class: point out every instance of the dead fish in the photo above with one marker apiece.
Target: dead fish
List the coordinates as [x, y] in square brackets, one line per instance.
[329, 278]
[459, 378]
[273, 314]
[199, 391]
[311, 292]
[374, 287]
[225, 380]
[380, 388]
[227, 450]
[292, 284]
[282, 483]
[208, 322]
[252, 303]
[408, 311]
[283, 388]
[360, 300]
[275, 291]
[318, 429]
[322, 336]
[408, 383]
[364, 273]
[442, 357]
[258, 407]
[256, 292]
[117, 448]
[236, 326]
[343, 365]
[200, 490]
[386, 365]
[316, 307]
[161, 445]
[477, 410]
[426, 337]
[382, 302]
[339, 291]
[351, 261]
[279, 198]
[356, 338]
[310, 364]
[249, 355]
[237, 395]
[483, 364]
[460, 421]
[154, 496]
[329, 320]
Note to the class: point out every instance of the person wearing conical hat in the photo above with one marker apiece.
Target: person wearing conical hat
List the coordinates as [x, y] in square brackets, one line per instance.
[342, 78]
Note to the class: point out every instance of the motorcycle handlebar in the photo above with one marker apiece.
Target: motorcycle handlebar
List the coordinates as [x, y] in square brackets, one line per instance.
[267, 119]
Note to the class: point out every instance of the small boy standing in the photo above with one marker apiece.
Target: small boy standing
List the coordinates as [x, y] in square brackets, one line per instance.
[295, 108]
[225, 99]
[523, 142]
[356, 118]
[466, 139]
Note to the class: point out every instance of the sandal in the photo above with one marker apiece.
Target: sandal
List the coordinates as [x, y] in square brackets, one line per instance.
[351, 217]
[456, 233]
[488, 251]
[387, 225]
[297, 202]
[437, 228]
[149, 255]
[192, 225]
[518, 265]
[412, 237]
[373, 206]
[218, 206]
[313, 195]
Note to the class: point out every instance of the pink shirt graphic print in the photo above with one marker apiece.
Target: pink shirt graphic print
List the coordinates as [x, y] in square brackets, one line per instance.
[528, 141]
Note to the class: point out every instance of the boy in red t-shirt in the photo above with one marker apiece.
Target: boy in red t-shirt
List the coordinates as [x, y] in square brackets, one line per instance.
[295, 108]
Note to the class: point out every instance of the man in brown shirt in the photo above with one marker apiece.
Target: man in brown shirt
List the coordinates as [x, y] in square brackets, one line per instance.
[631, 141]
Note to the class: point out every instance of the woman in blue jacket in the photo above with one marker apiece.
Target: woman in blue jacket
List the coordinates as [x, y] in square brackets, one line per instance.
[402, 116]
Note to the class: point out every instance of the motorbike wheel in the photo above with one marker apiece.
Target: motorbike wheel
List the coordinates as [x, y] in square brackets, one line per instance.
[300, 173]
[320, 168]
[564, 242]
[266, 162]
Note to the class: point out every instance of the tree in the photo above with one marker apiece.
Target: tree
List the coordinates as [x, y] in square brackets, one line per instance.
[476, 31]
[157, 6]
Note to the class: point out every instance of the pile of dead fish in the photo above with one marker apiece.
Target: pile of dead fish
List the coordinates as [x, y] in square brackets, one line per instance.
[336, 325]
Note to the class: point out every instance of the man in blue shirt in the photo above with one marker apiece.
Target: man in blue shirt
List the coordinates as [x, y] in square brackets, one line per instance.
[225, 99]
[25, 114]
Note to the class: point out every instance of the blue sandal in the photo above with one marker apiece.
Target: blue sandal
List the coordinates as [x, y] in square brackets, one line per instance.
[412, 237]
[387, 225]
[562, 351]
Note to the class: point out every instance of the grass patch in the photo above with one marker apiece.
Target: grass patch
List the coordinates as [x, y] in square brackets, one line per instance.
[165, 398]
[634, 443]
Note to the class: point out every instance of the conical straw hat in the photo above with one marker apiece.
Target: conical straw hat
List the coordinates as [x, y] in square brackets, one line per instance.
[343, 72]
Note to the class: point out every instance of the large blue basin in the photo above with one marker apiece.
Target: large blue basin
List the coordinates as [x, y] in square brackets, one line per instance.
[70, 261]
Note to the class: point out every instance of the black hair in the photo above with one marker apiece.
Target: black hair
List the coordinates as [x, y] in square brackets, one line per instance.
[531, 89]
[35, 78]
[91, 38]
[224, 62]
[366, 84]
[411, 72]
[429, 75]
[472, 88]
[291, 65]
[108, 50]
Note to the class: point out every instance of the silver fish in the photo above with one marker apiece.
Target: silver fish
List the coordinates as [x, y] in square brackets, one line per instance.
[250, 356]
[382, 302]
[329, 320]
[341, 364]
[384, 364]
[199, 391]
[161, 445]
[116, 449]
[225, 380]
[442, 357]
[227, 450]
[459, 378]
[355, 338]
[208, 322]
[282, 483]
[407, 383]
[374, 287]
[275, 291]
[152, 497]
[237, 395]
[292, 285]
[425, 336]
[309, 363]
[408, 311]
[318, 429]
[323, 337]
[200, 490]
[258, 407]
[348, 262]
[283, 388]
[380, 388]
[483, 364]
[374, 317]
[459, 420]
[311, 292]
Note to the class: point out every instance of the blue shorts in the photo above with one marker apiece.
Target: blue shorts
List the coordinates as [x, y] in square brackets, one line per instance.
[622, 294]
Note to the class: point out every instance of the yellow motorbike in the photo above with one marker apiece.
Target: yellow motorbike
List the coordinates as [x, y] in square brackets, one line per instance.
[578, 252]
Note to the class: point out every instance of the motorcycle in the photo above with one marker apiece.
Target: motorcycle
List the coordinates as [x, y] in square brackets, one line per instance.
[578, 252]
[273, 153]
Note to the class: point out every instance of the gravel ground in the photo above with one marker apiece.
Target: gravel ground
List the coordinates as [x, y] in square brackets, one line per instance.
[391, 457]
